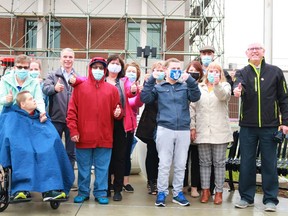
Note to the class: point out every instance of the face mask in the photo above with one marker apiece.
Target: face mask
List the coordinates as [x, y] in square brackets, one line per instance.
[206, 60]
[161, 76]
[114, 68]
[175, 74]
[210, 77]
[131, 76]
[195, 75]
[21, 74]
[34, 74]
[97, 74]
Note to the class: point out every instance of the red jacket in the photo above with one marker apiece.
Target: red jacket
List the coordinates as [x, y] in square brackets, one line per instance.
[91, 113]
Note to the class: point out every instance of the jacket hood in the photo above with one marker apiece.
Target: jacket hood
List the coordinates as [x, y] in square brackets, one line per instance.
[17, 109]
[93, 61]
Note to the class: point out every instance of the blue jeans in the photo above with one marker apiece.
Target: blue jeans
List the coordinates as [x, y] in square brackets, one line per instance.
[100, 158]
[249, 139]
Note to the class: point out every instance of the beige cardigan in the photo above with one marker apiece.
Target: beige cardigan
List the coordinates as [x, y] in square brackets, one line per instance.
[210, 115]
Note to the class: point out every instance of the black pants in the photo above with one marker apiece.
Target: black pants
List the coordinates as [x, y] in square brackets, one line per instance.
[152, 160]
[117, 163]
[129, 140]
[195, 168]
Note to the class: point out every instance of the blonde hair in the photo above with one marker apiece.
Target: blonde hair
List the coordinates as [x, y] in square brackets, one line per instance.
[168, 61]
[214, 65]
[21, 97]
[22, 58]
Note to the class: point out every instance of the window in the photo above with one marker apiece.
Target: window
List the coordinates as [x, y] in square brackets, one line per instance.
[54, 38]
[153, 37]
[31, 36]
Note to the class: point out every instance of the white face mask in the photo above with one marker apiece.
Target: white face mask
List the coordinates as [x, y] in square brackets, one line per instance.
[114, 68]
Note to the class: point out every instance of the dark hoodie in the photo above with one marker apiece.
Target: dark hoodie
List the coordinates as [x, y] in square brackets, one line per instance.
[91, 110]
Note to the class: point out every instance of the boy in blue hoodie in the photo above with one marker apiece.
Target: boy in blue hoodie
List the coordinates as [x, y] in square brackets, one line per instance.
[173, 130]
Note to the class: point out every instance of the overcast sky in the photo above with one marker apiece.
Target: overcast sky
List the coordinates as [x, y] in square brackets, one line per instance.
[244, 23]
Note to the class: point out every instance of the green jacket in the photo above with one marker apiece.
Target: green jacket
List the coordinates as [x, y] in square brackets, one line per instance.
[8, 82]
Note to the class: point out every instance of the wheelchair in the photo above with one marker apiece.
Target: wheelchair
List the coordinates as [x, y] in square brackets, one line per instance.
[5, 191]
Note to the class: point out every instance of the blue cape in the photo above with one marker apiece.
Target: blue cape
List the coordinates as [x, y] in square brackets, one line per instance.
[35, 152]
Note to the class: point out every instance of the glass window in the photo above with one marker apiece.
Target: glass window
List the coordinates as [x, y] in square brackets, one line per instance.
[31, 36]
[153, 37]
[54, 38]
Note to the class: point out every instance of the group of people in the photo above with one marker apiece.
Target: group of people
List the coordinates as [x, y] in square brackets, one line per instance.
[186, 115]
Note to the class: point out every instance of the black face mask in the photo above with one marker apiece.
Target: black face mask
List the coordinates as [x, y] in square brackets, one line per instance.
[195, 75]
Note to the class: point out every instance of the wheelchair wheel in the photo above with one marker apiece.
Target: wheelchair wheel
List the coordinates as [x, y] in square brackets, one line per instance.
[4, 188]
[54, 204]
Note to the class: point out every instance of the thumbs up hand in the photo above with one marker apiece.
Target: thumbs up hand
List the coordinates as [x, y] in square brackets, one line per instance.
[9, 97]
[59, 87]
[117, 111]
[72, 79]
[237, 91]
[133, 88]
[43, 117]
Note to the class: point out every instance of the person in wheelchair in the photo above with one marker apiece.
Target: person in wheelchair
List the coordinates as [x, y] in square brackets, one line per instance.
[34, 152]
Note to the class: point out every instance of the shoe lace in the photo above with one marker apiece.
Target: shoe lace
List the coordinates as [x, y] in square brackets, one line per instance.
[161, 196]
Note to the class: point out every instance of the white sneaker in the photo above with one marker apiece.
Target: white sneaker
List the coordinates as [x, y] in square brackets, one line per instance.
[270, 207]
[243, 204]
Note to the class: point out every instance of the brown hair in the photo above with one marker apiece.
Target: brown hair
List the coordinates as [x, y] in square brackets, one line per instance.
[168, 61]
[21, 97]
[138, 70]
[198, 67]
[22, 58]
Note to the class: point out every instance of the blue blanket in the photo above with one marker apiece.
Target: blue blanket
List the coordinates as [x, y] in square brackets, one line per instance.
[35, 152]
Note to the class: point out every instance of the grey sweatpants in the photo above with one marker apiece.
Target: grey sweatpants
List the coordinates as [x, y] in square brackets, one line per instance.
[171, 146]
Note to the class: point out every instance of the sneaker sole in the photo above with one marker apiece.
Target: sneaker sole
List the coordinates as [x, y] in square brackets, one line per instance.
[182, 204]
[243, 207]
[60, 196]
[160, 204]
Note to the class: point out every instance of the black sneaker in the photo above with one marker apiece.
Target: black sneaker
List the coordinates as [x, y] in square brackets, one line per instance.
[117, 196]
[128, 188]
[53, 195]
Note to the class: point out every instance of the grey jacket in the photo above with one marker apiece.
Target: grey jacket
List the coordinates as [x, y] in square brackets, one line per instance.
[58, 101]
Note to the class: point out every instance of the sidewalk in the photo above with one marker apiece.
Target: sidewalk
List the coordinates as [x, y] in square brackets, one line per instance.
[140, 203]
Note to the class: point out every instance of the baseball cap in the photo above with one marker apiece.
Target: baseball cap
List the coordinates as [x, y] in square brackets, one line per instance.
[207, 48]
[98, 59]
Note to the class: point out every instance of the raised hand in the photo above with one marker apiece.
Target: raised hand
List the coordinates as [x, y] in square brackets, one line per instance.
[133, 87]
[117, 111]
[9, 97]
[59, 87]
[43, 117]
[72, 79]
[237, 91]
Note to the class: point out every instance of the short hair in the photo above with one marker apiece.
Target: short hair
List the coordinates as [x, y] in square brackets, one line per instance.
[67, 50]
[138, 70]
[21, 97]
[156, 64]
[168, 61]
[115, 57]
[22, 58]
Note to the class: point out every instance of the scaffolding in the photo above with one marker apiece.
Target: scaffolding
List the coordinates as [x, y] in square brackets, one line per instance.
[203, 25]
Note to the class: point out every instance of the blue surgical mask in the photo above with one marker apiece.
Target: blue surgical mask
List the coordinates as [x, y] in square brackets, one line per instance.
[210, 77]
[206, 60]
[131, 76]
[114, 68]
[97, 74]
[175, 74]
[21, 74]
[161, 75]
[34, 74]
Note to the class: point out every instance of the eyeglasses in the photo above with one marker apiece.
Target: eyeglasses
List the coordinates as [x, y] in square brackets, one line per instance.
[96, 67]
[254, 48]
[20, 67]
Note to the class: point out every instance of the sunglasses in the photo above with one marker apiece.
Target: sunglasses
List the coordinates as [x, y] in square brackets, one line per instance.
[21, 67]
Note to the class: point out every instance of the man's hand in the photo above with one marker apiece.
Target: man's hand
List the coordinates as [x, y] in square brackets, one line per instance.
[43, 117]
[72, 79]
[75, 138]
[284, 129]
[184, 76]
[9, 97]
[117, 111]
[193, 134]
[59, 87]
[237, 91]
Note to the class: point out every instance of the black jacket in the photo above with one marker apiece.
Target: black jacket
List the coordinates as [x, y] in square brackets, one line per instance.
[263, 94]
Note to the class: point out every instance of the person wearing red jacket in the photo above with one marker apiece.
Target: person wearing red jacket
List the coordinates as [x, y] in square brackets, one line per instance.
[91, 112]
